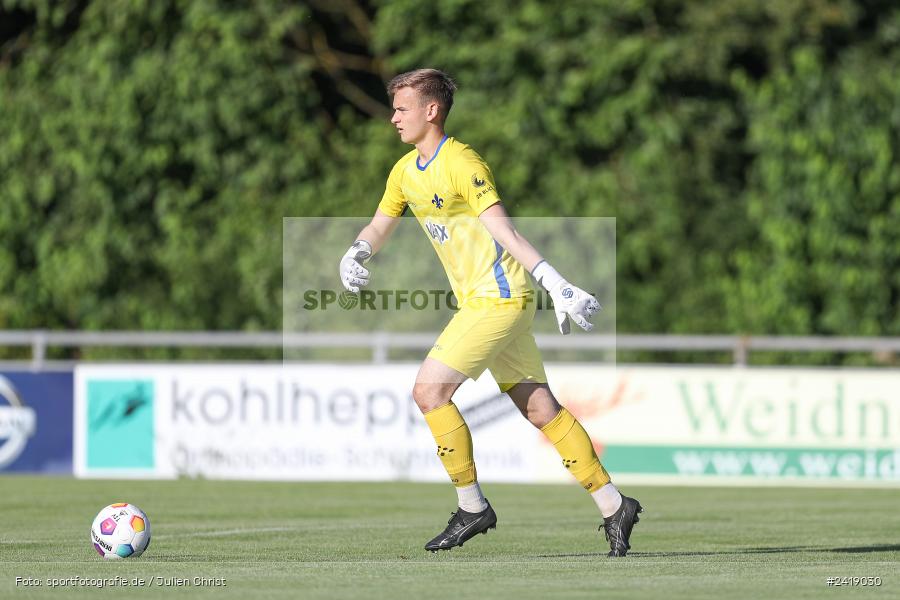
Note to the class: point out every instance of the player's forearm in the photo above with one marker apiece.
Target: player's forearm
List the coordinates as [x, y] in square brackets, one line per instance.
[379, 230]
[520, 249]
[373, 236]
[501, 228]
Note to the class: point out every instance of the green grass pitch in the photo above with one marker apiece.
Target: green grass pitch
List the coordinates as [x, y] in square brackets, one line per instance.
[339, 540]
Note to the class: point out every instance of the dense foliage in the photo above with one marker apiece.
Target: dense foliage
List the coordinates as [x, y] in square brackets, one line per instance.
[748, 148]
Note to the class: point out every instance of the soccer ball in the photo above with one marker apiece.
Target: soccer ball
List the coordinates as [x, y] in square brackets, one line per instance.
[120, 530]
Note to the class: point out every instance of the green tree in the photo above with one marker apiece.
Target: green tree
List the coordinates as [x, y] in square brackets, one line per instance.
[825, 196]
[150, 149]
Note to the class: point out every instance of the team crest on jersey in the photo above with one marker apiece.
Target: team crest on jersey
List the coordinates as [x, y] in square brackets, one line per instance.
[438, 202]
[477, 182]
[438, 233]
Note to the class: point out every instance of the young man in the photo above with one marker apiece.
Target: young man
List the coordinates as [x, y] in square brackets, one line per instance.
[451, 191]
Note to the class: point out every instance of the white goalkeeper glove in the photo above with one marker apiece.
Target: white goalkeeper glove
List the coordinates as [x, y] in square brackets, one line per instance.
[353, 273]
[568, 300]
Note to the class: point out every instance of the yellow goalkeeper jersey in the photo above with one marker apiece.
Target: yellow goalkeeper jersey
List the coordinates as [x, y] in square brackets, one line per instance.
[446, 195]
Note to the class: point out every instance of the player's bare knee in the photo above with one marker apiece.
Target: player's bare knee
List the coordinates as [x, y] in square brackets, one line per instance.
[541, 416]
[543, 408]
[429, 396]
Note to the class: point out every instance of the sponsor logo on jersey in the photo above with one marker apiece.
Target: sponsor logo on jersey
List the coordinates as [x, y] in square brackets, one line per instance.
[438, 233]
[484, 192]
[477, 182]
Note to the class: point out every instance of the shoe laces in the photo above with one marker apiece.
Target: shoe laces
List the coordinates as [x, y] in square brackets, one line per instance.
[605, 528]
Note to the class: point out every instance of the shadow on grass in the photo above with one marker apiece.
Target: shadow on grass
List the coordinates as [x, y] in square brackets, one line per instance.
[773, 550]
[881, 548]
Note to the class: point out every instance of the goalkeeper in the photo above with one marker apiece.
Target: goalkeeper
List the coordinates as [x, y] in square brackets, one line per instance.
[451, 192]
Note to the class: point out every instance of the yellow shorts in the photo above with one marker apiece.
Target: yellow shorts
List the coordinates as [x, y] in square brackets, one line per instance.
[495, 334]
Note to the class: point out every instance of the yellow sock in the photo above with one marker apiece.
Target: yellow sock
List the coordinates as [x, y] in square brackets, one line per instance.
[574, 446]
[454, 443]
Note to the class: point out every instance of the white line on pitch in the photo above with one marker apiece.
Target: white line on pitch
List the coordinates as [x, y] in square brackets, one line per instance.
[224, 532]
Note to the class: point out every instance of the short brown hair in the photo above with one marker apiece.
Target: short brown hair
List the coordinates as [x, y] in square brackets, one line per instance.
[432, 85]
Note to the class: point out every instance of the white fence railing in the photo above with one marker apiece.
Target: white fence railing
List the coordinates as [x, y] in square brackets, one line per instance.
[381, 343]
